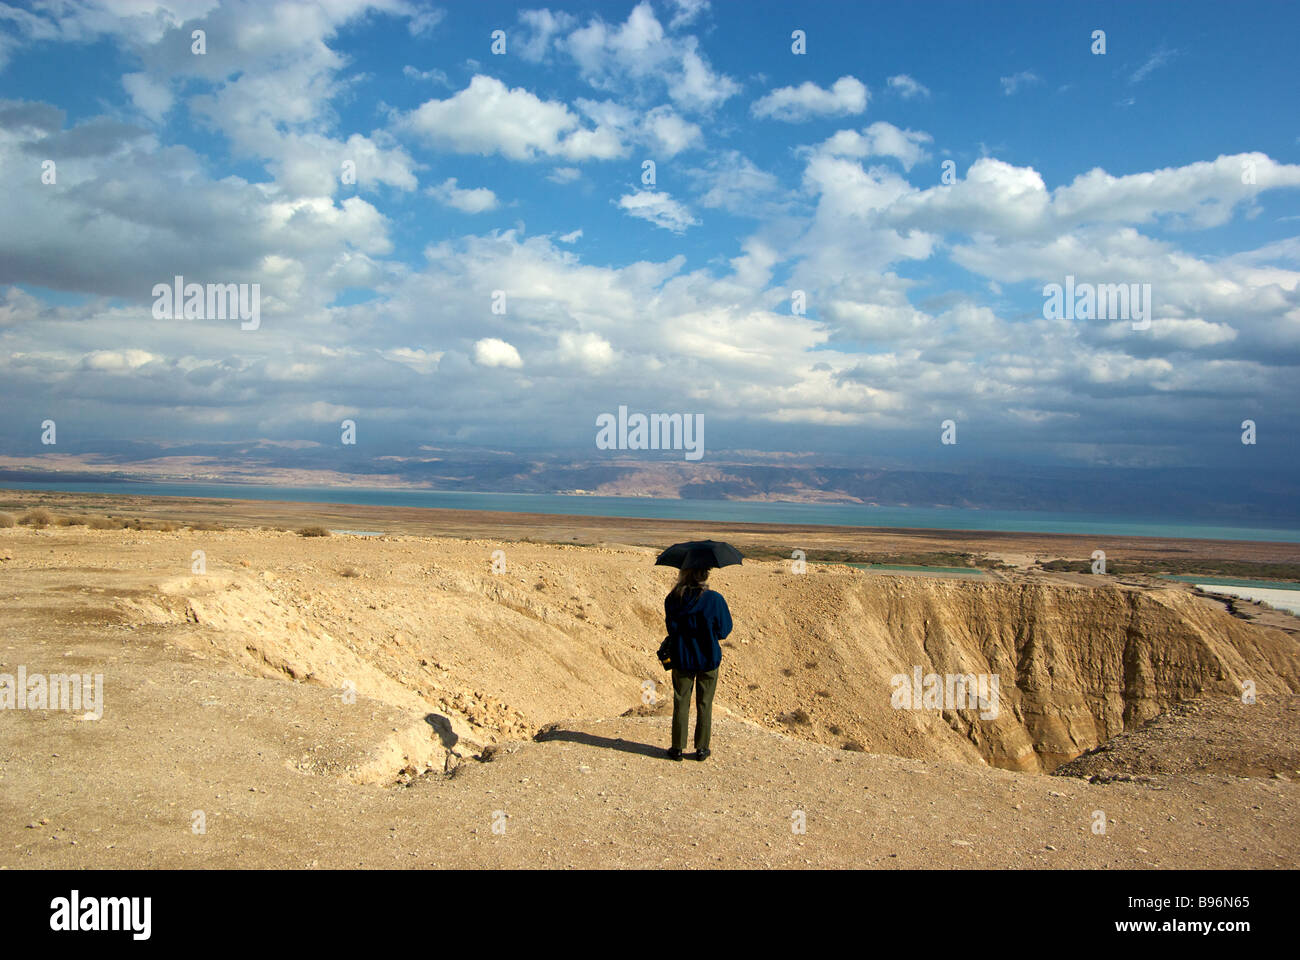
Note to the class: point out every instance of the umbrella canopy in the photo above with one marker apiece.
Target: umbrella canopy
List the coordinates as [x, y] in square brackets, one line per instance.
[699, 553]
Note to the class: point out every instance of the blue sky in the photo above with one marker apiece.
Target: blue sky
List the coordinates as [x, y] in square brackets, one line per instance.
[1170, 160]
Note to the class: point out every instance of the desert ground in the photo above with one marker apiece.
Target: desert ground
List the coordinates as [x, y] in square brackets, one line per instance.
[471, 690]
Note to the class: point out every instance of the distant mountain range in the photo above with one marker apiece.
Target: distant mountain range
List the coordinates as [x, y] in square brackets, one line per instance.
[1121, 491]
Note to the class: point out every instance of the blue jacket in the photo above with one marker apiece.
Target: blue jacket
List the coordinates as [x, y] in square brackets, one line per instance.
[695, 626]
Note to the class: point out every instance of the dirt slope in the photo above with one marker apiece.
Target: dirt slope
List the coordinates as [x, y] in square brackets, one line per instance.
[570, 632]
[229, 692]
[1218, 736]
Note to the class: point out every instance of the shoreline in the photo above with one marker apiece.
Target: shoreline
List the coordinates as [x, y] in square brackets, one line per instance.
[396, 520]
[945, 518]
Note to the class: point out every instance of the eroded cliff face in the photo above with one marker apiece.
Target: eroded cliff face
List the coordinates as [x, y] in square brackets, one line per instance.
[1075, 666]
[570, 633]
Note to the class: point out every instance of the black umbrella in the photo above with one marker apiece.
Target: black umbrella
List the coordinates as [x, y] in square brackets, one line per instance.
[699, 553]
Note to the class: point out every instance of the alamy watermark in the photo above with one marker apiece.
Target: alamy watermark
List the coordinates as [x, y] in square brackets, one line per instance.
[1098, 301]
[75, 913]
[657, 431]
[72, 692]
[211, 301]
[946, 691]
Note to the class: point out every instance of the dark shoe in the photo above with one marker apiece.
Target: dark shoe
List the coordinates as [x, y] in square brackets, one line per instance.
[703, 754]
[674, 754]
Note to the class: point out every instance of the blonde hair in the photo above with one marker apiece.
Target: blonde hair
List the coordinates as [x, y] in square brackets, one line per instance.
[690, 578]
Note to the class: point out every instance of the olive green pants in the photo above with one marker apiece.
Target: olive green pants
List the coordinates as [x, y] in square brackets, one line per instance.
[704, 682]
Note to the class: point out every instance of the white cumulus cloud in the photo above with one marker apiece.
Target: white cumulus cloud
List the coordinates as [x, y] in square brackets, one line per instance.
[488, 117]
[476, 200]
[493, 352]
[659, 208]
[847, 95]
[880, 140]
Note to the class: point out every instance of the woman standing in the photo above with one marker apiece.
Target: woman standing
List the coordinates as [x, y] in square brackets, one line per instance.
[696, 618]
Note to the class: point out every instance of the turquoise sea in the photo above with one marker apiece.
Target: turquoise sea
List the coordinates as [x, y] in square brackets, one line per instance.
[1237, 582]
[728, 511]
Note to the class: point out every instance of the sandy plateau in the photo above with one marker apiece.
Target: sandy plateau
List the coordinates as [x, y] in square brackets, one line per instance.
[391, 701]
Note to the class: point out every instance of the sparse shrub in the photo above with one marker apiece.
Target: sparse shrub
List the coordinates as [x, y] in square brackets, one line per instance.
[6, 520]
[167, 527]
[787, 672]
[810, 665]
[204, 525]
[823, 693]
[797, 717]
[753, 686]
[834, 730]
[70, 521]
[313, 532]
[38, 517]
[102, 523]
[855, 747]
[349, 572]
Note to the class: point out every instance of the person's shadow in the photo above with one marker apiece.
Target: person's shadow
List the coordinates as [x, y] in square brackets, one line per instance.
[591, 740]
